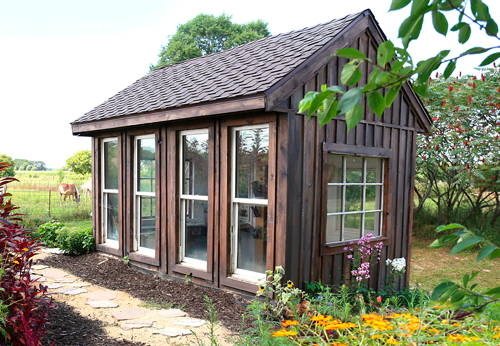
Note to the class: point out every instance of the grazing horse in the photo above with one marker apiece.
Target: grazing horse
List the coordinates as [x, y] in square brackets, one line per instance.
[87, 188]
[68, 190]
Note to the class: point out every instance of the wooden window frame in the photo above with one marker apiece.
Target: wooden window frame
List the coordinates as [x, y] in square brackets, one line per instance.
[226, 279]
[349, 150]
[113, 244]
[135, 243]
[183, 199]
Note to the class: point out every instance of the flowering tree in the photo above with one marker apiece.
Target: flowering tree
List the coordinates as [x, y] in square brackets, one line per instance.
[457, 162]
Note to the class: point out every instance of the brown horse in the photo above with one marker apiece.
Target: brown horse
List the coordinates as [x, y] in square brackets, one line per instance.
[68, 190]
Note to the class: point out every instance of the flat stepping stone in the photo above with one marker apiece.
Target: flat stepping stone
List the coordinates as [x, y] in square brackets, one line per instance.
[53, 250]
[54, 286]
[130, 313]
[102, 295]
[64, 290]
[66, 281]
[172, 332]
[172, 313]
[53, 273]
[136, 324]
[79, 285]
[189, 323]
[72, 291]
[38, 278]
[38, 267]
[98, 304]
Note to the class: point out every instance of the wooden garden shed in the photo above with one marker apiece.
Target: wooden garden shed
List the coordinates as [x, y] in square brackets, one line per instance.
[205, 168]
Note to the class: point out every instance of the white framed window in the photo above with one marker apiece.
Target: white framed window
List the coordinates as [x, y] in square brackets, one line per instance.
[109, 197]
[249, 201]
[354, 197]
[145, 195]
[193, 199]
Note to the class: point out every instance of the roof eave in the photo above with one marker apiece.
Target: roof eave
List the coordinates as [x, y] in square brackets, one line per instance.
[255, 102]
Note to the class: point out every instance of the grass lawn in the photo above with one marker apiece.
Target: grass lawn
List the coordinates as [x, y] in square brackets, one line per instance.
[78, 224]
[429, 266]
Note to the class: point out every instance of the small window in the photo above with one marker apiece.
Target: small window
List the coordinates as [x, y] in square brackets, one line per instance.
[110, 211]
[354, 197]
[145, 195]
[194, 158]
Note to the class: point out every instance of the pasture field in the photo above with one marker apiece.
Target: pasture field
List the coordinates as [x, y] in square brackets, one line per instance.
[37, 196]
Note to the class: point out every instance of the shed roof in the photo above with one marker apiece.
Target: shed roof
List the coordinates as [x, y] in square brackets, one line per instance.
[248, 69]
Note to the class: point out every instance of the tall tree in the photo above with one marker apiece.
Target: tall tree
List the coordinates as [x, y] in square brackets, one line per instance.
[207, 34]
[9, 171]
[81, 162]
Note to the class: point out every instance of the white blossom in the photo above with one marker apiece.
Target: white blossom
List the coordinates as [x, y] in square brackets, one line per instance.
[398, 264]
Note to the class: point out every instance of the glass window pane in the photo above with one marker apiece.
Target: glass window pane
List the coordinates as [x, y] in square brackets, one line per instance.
[111, 165]
[111, 216]
[372, 223]
[335, 170]
[195, 165]
[333, 228]
[147, 221]
[373, 194]
[252, 163]
[352, 226]
[373, 170]
[354, 169]
[146, 167]
[252, 237]
[334, 199]
[196, 225]
[353, 197]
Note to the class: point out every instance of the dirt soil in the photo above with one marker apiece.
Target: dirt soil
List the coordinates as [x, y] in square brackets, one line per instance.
[68, 327]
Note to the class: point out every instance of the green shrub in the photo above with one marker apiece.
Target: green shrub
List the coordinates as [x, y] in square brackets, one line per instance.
[75, 242]
[48, 233]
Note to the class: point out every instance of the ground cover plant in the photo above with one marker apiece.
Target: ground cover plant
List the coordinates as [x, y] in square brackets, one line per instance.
[24, 303]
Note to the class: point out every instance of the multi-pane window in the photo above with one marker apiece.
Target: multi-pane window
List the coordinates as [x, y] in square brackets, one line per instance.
[110, 191]
[145, 195]
[194, 155]
[249, 197]
[354, 198]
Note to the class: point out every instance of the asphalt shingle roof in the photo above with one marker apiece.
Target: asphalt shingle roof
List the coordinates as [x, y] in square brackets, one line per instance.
[241, 71]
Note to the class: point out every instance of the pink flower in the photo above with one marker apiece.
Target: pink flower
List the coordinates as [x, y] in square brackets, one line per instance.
[379, 299]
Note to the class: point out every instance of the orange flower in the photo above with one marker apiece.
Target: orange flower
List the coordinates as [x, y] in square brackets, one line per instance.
[455, 324]
[284, 332]
[16, 262]
[376, 336]
[319, 318]
[289, 323]
[25, 249]
[391, 341]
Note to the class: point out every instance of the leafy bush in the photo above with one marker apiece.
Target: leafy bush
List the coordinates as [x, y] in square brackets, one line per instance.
[48, 233]
[75, 242]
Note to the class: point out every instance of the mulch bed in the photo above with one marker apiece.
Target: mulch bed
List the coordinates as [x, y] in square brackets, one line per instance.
[114, 274]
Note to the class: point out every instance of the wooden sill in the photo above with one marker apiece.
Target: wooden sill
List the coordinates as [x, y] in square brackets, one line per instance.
[336, 248]
[138, 257]
[109, 249]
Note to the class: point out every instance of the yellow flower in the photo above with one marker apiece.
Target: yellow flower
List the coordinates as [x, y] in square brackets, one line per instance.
[25, 249]
[16, 262]
[444, 321]
[455, 324]
[391, 341]
[433, 330]
[376, 336]
[289, 323]
[261, 288]
[290, 284]
[284, 332]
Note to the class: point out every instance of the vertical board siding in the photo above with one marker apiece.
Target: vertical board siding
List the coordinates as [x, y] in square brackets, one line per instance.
[304, 259]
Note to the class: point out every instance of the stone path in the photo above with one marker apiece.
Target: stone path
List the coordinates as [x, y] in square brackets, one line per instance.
[124, 316]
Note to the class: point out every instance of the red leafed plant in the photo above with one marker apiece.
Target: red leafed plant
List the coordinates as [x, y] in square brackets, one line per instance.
[26, 300]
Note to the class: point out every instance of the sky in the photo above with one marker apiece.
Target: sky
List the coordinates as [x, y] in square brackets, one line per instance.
[59, 59]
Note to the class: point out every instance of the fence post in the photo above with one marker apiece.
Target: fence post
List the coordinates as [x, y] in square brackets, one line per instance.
[49, 204]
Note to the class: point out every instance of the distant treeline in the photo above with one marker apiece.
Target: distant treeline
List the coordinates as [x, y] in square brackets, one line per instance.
[28, 165]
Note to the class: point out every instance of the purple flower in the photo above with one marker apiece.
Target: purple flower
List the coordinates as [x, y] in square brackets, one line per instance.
[320, 297]
[330, 304]
[349, 256]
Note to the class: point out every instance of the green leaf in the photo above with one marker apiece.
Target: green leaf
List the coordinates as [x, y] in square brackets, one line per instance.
[465, 244]
[351, 53]
[450, 226]
[474, 274]
[480, 10]
[410, 29]
[440, 23]
[329, 110]
[353, 116]
[491, 27]
[445, 6]
[370, 86]
[439, 243]
[376, 102]
[373, 75]
[485, 251]
[405, 71]
[492, 291]
[490, 58]
[464, 33]
[382, 78]
[306, 102]
[447, 294]
[457, 296]
[390, 96]
[397, 65]
[475, 50]
[419, 7]
[421, 89]
[457, 26]
[440, 289]
[466, 279]
[385, 53]
[398, 4]
[450, 68]
[349, 99]
[494, 254]
[425, 67]
[350, 73]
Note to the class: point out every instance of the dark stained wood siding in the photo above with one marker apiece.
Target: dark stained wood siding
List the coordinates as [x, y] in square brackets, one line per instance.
[395, 131]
